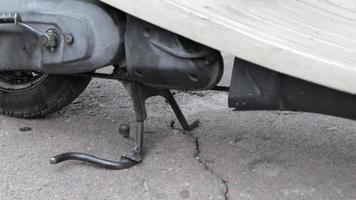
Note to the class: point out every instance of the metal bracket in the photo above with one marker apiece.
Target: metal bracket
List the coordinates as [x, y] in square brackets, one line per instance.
[139, 95]
[8, 18]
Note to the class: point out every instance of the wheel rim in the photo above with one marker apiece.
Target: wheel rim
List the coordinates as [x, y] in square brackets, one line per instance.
[19, 81]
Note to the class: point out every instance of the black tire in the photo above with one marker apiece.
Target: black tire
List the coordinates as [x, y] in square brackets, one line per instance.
[48, 94]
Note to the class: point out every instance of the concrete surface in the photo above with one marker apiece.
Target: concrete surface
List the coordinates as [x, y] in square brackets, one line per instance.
[232, 155]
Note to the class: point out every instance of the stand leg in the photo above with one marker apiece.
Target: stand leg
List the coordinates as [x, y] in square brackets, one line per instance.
[139, 94]
[179, 114]
[134, 156]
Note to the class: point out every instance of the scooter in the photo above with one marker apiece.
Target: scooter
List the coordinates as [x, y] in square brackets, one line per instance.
[295, 55]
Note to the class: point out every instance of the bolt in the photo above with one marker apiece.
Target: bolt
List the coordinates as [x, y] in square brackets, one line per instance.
[69, 39]
[50, 40]
[44, 40]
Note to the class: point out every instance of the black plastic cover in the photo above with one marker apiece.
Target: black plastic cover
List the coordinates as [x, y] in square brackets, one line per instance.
[256, 88]
[159, 58]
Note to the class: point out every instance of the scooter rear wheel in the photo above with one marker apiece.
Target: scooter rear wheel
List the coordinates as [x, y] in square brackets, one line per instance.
[34, 95]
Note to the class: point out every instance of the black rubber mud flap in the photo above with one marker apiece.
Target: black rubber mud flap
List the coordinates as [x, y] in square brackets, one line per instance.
[256, 88]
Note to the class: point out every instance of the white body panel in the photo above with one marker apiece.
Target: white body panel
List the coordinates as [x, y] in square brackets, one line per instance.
[314, 40]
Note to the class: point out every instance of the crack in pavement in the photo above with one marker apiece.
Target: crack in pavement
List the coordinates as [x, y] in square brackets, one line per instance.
[206, 166]
[197, 157]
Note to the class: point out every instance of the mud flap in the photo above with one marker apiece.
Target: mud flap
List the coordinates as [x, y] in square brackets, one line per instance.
[256, 88]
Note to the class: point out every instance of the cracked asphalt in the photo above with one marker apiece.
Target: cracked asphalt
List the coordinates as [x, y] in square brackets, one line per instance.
[232, 155]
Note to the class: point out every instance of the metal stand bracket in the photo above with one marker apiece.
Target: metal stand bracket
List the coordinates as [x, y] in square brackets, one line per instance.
[139, 95]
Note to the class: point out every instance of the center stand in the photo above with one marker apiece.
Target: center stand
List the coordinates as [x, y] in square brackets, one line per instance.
[139, 94]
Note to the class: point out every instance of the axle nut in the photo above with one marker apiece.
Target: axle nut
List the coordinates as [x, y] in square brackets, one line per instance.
[50, 40]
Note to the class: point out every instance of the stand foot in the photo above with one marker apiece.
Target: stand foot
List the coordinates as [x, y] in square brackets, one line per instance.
[123, 163]
[126, 161]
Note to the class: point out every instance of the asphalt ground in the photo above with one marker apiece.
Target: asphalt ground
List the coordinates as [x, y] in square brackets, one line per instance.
[231, 155]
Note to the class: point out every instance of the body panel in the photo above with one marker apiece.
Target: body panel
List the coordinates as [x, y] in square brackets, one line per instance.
[313, 40]
[95, 29]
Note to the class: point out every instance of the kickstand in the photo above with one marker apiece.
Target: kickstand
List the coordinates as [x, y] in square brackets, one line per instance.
[139, 95]
[178, 112]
